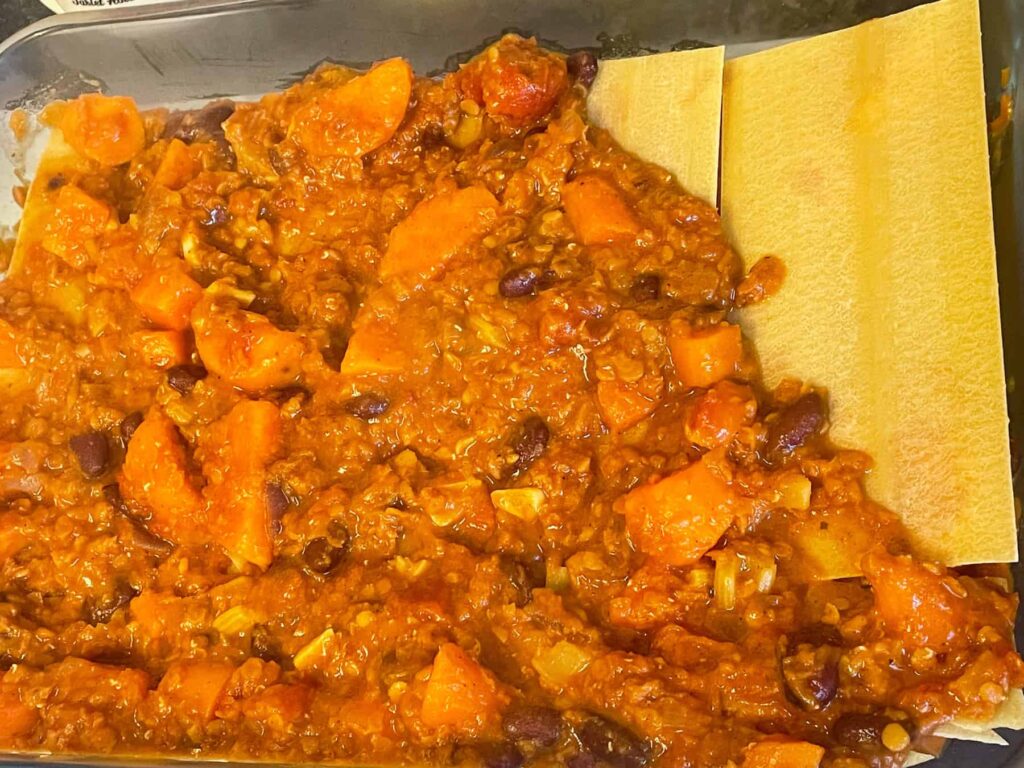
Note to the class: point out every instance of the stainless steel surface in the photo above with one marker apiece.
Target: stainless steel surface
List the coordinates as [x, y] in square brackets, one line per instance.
[188, 51]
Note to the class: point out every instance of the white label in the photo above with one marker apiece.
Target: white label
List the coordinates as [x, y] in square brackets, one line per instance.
[62, 6]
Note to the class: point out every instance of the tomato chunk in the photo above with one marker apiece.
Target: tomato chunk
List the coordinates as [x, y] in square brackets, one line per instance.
[915, 604]
[155, 476]
[357, 117]
[597, 211]
[720, 413]
[436, 230]
[107, 129]
[682, 516]
[167, 296]
[460, 695]
[517, 83]
[244, 348]
[704, 356]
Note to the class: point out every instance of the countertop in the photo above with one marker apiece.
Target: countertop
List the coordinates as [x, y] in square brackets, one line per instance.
[15, 14]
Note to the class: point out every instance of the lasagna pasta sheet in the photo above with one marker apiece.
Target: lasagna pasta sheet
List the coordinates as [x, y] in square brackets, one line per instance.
[666, 108]
[860, 158]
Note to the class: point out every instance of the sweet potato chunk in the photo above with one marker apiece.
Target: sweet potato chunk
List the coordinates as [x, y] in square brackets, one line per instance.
[460, 695]
[249, 437]
[176, 167]
[356, 117]
[680, 517]
[622, 405]
[373, 348]
[107, 129]
[10, 357]
[16, 719]
[167, 296]
[280, 707]
[597, 211]
[704, 356]
[244, 348]
[720, 413]
[78, 219]
[915, 604]
[155, 476]
[436, 230]
[194, 688]
[776, 753]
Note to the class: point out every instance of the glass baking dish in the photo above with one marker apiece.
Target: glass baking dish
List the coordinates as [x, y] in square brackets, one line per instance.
[181, 53]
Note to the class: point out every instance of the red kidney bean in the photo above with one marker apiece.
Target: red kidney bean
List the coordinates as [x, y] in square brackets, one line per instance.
[368, 406]
[582, 66]
[538, 725]
[92, 451]
[519, 282]
[128, 426]
[531, 443]
[321, 556]
[183, 378]
[612, 744]
[795, 425]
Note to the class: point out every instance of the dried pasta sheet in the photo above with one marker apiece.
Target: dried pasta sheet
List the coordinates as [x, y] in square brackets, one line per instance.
[666, 108]
[58, 160]
[860, 158]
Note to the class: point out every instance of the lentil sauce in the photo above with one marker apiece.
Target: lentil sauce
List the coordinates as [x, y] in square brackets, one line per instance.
[398, 420]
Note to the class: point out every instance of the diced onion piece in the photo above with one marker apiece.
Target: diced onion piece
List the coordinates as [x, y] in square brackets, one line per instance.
[236, 620]
[227, 289]
[727, 571]
[313, 651]
[411, 568]
[794, 491]
[556, 576]
[524, 503]
[558, 664]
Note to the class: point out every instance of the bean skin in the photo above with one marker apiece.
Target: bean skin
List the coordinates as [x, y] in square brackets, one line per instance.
[646, 287]
[103, 611]
[538, 725]
[612, 744]
[519, 282]
[183, 378]
[857, 730]
[811, 677]
[504, 756]
[128, 426]
[368, 406]
[321, 556]
[277, 505]
[582, 66]
[795, 425]
[92, 451]
[531, 443]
